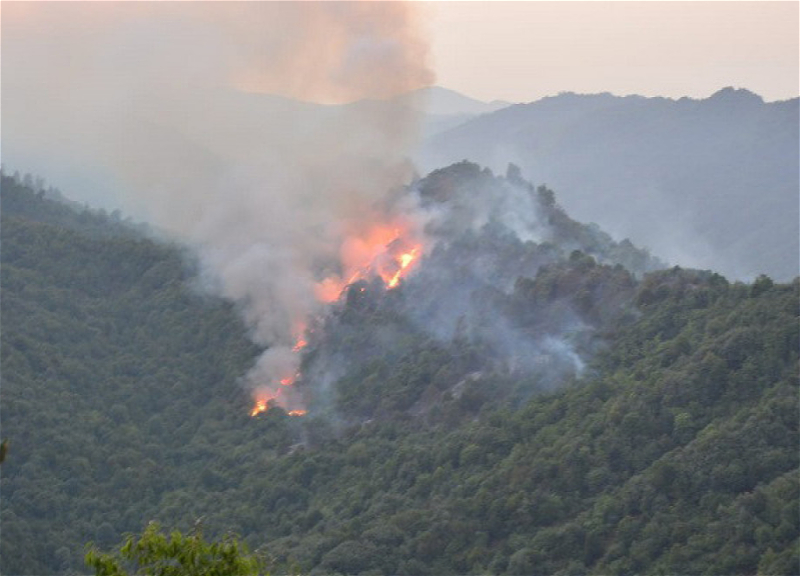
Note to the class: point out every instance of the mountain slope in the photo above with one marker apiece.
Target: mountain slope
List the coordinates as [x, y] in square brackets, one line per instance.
[709, 183]
[670, 446]
[678, 457]
[99, 400]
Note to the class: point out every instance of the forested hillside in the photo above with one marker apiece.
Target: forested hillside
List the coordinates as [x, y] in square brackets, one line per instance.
[546, 405]
[111, 365]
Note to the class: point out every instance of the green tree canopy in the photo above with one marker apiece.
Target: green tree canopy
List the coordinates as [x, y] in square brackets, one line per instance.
[155, 553]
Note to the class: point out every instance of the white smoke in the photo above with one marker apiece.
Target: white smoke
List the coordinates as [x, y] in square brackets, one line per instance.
[193, 114]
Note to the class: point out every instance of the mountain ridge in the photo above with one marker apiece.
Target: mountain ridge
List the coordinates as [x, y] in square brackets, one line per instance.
[674, 450]
[676, 176]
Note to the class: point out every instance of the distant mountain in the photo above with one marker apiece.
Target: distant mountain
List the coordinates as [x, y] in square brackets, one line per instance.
[253, 118]
[440, 109]
[709, 183]
[446, 109]
[442, 101]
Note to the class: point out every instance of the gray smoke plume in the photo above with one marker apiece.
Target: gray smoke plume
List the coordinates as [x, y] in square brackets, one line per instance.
[196, 115]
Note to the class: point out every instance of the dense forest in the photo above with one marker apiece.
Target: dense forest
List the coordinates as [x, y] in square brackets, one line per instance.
[557, 404]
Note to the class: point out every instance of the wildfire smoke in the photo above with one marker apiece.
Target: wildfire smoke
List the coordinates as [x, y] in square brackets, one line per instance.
[208, 135]
[388, 251]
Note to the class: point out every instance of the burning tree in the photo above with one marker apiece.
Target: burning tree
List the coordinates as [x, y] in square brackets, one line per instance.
[386, 250]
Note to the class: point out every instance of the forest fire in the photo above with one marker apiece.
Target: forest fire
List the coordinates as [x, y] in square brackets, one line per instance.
[405, 261]
[385, 250]
[265, 399]
[261, 405]
[388, 251]
[282, 393]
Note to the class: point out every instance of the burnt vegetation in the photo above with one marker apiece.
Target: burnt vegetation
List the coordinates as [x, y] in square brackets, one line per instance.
[554, 403]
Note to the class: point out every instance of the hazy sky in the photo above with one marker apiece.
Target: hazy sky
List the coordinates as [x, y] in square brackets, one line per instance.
[521, 51]
[524, 50]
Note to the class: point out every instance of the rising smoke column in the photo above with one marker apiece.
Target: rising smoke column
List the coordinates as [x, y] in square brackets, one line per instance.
[168, 101]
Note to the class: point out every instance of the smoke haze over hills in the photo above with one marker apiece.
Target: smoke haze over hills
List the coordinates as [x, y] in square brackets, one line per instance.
[152, 104]
[210, 134]
[473, 381]
[703, 183]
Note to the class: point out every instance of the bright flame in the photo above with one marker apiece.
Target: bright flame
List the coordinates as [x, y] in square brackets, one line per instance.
[261, 405]
[388, 251]
[300, 336]
[405, 261]
[284, 396]
[280, 391]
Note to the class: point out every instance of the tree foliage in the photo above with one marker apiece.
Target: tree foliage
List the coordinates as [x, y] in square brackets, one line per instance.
[154, 553]
[673, 451]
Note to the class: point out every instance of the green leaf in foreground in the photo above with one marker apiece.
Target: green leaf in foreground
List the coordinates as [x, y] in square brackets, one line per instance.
[159, 554]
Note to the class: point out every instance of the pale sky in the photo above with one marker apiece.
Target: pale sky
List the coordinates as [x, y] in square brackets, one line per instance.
[522, 51]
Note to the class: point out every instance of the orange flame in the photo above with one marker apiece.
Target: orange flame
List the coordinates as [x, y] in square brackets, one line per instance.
[261, 405]
[329, 289]
[405, 261]
[266, 399]
[387, 250]
[300, 336]
[280, 393]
